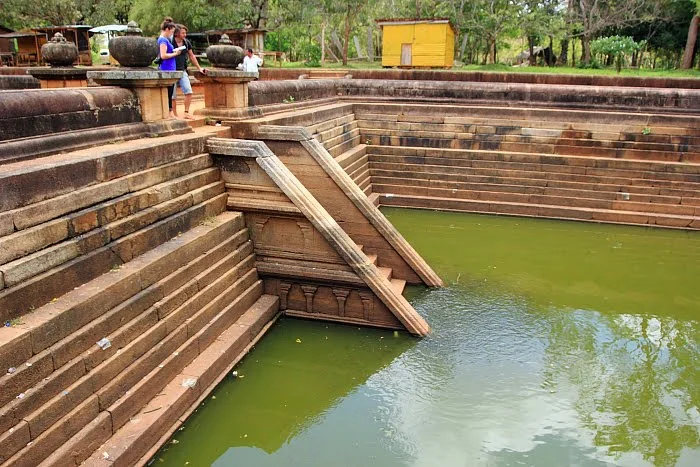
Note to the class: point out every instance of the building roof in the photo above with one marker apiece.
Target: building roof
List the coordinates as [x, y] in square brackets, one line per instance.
[15, 35]
[399, 21]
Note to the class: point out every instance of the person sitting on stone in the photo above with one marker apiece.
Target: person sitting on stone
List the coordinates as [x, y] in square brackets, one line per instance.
[167, 55]
[251, 62]
[179, 40]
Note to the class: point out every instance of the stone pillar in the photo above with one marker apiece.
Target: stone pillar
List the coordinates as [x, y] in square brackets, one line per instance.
[341, 295]
[367, 304]
[150, 86]
[226, 94]
[283, 294]
[60, 77]
[309, 292]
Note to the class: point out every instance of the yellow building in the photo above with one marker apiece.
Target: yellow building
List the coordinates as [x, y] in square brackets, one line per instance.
[417, 42]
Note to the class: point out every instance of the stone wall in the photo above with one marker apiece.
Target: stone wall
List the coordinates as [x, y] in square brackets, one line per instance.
[508, 94]
[8, 82]
[494, 77]
[41, 112]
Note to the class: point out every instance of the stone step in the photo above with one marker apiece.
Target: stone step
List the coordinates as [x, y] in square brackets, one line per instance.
[349, 157]
[328, 135]
[341, 139]
[545, 211]
[398, 285]
[595, 176]
[54, 321]
[372, 259]
[27, 182]
[373, 198]
[146, 376]
[331, 123]
[130, 444]
[514, 143]
[582, 135]
[527, 198]
[358, 165]
[119, 325]
[538, 187]
[54, 207]
[107, 214]
[313, 118]
[542, 118]
[82, 377]
[339, 149]
[464, 157]
[81, 259]
[385, 272]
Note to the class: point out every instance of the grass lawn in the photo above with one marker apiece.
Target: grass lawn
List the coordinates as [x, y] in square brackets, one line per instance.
[363, 65]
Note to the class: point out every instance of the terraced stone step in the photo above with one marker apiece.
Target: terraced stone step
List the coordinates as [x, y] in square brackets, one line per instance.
[72, 372]
[539, 187]
[32, 251]
[515, 143]
[351, 156]
[544, 199]
[54, 333]
[665, 180]
[65, 275]
[111, 378]
[329, 135]
[558, 118]
[83, 197]
[528, 127]
[464, 157]
[32, 181]
[179, 396]
[537, 210]
[75, 355]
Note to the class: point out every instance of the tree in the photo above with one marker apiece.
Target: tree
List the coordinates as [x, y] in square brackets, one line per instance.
[595, 16]
[20, 14]
[616, 47]
[689, 53]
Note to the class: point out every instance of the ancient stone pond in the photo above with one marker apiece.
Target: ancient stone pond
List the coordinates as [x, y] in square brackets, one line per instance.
[554, 343]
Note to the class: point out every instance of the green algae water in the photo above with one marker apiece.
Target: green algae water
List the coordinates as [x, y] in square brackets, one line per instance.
[554, 343]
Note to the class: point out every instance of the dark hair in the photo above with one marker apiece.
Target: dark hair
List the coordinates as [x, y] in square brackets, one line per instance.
[249, 50]
[178, 28]
[167, 25]
[183, 27]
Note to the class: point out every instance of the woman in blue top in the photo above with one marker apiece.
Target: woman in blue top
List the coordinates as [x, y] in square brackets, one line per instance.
[167, 55]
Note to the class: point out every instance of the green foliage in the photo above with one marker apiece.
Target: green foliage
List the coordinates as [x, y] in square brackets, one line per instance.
[313, 55]
[616, 47]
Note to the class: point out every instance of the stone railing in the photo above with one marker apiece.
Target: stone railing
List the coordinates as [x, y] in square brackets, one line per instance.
[493, 77]
[506, 94]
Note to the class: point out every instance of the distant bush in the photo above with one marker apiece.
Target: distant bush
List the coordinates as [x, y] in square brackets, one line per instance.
[616, 47]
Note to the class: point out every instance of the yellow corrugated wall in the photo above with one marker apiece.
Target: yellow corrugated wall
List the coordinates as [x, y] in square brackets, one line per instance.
[450, 47]
[432, 44]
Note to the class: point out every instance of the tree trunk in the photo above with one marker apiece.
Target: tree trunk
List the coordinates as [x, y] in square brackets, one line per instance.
[586, 45]
[531, 49]
[370, 43]
[323, 42]
[348, 25]
[690, 43]
[463, 48]
[492, 49]
[564, 56]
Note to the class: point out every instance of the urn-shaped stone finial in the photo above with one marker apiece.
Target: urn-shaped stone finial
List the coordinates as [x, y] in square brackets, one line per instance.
[132, 29]
[59, 52]
[225, 54]
[133, 50]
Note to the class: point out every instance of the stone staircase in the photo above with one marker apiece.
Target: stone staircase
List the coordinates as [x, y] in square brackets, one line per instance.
[128, 292]
[397, 284]
[623, 172]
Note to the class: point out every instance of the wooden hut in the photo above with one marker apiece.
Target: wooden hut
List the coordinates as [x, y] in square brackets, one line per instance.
[77, 34]
[21, 48]
[418, 43]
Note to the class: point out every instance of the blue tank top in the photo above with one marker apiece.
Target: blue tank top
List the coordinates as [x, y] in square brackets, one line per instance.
[167, 64]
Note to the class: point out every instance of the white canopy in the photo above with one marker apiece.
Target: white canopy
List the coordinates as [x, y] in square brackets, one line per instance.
[109, 28]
